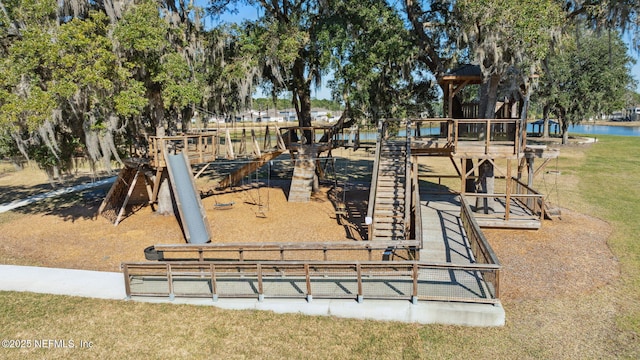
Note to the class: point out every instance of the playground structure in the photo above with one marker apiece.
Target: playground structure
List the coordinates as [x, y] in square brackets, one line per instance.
[169, 160]
[424, 240]
[396, 255]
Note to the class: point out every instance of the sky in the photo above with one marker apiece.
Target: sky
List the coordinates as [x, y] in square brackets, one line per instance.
[247, 12]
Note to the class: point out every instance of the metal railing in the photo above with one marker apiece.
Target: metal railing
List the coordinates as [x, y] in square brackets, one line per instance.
[408, 188]
[482, 251]
[409, 280]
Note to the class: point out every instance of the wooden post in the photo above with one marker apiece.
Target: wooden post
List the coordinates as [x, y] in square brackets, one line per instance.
[256, 146]
[359, 275]
[214, 283]
[414, 274]
[170, 282]
[260, 289]
[242, 150]
[508, 191]
[308, 281]
[127, 281]
[267, 139]
[126, 199]
[463, 176]
[229, 146]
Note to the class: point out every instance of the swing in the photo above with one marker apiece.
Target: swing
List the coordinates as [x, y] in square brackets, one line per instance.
[223, 206]
[261, 211]
[550, 211]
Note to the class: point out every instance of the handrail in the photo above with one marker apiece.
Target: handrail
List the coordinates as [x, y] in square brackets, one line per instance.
[480, 247]
[417, 207]
[290, 245]
[245, 249]
[311, 129]
[407, 182]
[486, 138]
[412, 280]
[374, 179]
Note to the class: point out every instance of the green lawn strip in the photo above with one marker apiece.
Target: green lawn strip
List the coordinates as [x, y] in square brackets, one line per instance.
[131, 330]
[610, 182]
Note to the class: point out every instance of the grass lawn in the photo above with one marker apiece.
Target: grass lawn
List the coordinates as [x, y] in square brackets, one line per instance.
[600, 180]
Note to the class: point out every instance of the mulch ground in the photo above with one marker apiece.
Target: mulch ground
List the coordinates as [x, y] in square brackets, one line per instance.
[567, 256]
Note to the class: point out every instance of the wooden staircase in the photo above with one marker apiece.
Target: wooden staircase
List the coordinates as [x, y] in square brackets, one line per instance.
[302, 181]
[389, 206]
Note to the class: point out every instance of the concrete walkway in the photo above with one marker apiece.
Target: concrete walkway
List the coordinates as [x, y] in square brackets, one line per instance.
[109, 285]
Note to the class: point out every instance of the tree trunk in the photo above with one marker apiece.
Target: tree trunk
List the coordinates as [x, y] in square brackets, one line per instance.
[155, 100]
[487, 186]
[302, 97]
[489, 97]
[545, 126]
[564, 124]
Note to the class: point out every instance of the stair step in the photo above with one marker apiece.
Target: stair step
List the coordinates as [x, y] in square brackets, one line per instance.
[389, 212]
[389, 225]
[389, 201]
[387, 235]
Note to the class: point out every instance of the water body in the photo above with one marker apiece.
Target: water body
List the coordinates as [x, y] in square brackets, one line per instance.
[582, 129]
[586, 129]
[605, 130]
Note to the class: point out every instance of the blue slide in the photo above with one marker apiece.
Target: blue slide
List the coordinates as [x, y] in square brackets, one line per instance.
[192, 214]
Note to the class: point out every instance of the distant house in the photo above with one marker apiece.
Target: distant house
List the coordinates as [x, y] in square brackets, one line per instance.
[633, 113]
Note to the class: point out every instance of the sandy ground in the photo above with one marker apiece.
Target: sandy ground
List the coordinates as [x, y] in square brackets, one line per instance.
[566, 257]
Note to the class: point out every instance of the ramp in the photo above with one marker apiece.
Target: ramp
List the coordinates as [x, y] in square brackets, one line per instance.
[235, 177]
[192, 214]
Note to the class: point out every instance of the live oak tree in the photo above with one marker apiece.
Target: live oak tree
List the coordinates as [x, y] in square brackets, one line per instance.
[585, 78]
[62, 86]
[375, 73]
[508, 39]
[363, 44]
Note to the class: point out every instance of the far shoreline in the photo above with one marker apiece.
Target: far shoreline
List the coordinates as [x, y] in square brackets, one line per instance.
[613, 123]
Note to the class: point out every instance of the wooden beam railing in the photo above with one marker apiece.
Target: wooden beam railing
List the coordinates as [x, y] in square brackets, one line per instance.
[199, 148]
[306, 135]
[527, 196]
[521, 195]
[483, 136]
[409, 280]
[281, 251]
